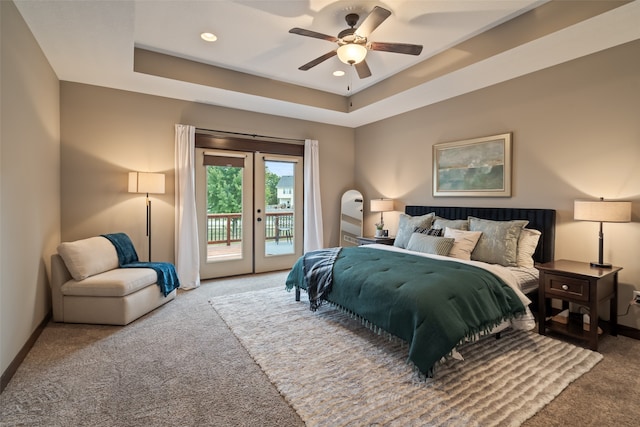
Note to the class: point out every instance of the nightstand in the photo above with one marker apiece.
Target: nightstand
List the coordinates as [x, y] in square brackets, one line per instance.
[578, 282]
[382, 240]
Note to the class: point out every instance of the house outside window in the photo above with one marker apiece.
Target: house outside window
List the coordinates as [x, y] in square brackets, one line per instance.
[285, 192]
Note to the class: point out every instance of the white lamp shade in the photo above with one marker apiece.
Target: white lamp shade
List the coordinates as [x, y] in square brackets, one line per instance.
[145, 182]
[601, 211]
[352, 53]
[381, 205]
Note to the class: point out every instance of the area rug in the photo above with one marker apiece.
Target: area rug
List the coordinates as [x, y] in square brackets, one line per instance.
[336, 371]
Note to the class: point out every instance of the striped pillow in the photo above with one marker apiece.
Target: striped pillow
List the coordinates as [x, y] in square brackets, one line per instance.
[428, 231]
[430, 244]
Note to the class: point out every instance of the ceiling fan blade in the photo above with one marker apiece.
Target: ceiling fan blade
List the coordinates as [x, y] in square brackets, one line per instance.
[309, 33]
[372, 21]
[363, 69]
[409, 49]
[318, 60]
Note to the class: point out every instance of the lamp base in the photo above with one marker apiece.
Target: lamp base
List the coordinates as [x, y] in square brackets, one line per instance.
[600, 265]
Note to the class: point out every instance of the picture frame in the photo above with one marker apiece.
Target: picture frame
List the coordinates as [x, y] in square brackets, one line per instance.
[478, 167]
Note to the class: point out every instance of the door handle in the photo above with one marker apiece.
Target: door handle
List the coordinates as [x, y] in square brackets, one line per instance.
[259, 219]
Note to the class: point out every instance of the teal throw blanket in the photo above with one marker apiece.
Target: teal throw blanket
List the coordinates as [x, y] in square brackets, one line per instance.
[432, 304]
[128, 258]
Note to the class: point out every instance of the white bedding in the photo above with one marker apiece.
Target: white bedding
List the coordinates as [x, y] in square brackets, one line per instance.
[527, 278]
[510, 275]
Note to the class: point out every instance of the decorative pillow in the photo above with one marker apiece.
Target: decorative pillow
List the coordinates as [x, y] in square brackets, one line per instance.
[88, 257]
[442, 223]
[527, 244]
[428, 231]
[464, 242]
[499, 241]
[407, 224]
[430, 244]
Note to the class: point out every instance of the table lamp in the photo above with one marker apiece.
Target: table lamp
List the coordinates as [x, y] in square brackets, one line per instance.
[601, 211]
[381, 205]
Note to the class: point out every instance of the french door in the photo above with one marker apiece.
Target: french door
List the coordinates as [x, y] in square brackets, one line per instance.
[249, 211]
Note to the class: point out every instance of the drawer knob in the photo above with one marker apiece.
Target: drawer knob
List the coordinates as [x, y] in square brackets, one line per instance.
[565, 287]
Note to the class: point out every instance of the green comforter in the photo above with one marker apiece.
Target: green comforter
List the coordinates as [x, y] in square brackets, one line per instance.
[432, 304]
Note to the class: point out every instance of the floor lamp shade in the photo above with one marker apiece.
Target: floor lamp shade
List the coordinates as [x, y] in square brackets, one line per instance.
[601, 211]
[145, 182]
[149, 183]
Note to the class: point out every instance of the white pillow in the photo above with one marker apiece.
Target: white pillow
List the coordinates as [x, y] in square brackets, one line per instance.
[435, 245]
[464, 242]
[527, 244]
[88, 257]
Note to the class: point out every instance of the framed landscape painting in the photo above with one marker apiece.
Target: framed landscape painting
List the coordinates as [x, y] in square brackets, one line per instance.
[479, 167]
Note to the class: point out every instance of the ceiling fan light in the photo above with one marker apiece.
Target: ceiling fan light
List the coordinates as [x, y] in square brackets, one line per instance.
[352, 53]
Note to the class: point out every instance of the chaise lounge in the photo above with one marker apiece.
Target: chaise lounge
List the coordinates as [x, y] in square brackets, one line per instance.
[88, 286]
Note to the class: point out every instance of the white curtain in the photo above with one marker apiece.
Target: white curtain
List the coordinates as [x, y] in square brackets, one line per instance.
[186, 247]
[313, 230]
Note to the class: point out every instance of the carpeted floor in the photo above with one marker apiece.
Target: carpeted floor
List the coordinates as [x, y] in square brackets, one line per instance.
[181, 365]
[177, 366]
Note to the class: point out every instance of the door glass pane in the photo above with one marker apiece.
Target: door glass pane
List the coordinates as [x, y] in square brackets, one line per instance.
[280, 207]
[224, 213]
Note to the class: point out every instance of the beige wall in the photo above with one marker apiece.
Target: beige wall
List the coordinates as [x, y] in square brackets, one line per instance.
[576, 133]
[106, 133]
[29, 179]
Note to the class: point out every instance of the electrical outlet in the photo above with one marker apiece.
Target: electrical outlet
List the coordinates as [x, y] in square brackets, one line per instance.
[636, 297]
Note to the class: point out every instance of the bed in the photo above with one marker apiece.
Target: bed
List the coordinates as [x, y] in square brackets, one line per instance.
[454, 274]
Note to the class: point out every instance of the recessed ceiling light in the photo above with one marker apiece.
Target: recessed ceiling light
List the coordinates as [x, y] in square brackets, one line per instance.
[209, 37]
[338, 73]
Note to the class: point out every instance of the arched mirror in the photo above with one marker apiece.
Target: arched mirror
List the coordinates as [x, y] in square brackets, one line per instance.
[351, 218]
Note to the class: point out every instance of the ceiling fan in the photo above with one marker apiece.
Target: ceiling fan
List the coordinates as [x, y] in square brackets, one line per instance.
[353, 43]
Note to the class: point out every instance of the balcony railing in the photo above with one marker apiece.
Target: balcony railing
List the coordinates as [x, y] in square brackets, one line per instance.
[227, 228]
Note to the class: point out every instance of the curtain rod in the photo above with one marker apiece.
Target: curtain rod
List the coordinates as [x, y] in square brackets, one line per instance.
[253, 135]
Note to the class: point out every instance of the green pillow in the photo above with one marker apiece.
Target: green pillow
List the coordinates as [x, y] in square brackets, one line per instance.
[407, 224]
[498, 243]
[458, 224]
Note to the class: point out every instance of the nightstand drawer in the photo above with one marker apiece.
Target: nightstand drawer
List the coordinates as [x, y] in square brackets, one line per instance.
[567, 287]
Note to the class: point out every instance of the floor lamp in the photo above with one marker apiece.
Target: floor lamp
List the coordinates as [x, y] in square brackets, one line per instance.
[149, 183]
[601, 211]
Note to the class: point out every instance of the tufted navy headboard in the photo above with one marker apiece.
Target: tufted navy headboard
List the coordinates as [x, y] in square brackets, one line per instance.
[543, 220]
